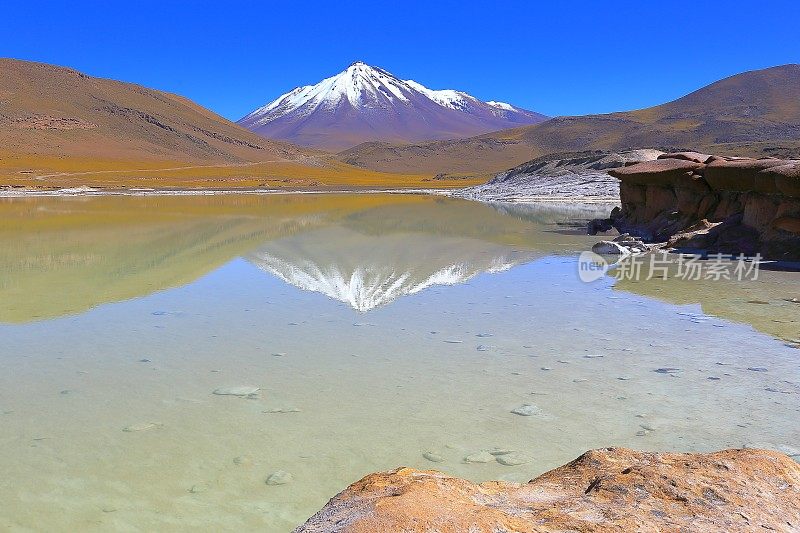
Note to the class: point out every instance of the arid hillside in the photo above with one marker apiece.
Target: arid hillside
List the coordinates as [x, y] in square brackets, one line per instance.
[753, 113]
[48, 110]
[62, 128]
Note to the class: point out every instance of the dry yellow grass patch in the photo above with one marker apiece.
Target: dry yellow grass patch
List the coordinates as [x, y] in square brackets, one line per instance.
[34, 171]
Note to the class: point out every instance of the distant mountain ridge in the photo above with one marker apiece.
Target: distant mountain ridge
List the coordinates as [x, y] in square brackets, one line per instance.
[752, 113]
[365, 103]
[60, 127]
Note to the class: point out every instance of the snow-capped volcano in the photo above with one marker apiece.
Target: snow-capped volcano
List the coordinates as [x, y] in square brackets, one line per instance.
[365, 103]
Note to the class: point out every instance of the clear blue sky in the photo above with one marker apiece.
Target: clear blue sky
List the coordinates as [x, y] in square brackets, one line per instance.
[557, 58]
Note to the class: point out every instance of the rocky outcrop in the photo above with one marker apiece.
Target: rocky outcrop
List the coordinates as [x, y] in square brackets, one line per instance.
[718, 204]
[613, 489]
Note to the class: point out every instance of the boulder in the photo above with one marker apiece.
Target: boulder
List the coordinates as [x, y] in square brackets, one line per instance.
[727, 207]
[606, 490]
[632, 192]
[622, 245]
[693, 197]
[658, 200]
[599, 225]
[742, 175]
[787, 178]
[663, 172]
[760, 210]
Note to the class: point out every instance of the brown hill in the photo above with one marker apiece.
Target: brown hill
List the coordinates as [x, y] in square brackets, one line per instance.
[60, 127]
[752, 113]
[50, 110]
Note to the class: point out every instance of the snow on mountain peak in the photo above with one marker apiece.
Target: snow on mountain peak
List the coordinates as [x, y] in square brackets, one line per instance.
[501, 105]
[378, 105]
[361, 84]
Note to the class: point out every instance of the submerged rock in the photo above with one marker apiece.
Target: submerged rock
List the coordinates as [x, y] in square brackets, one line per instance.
[501, 451]
[279, 477]
[528, 409]
[612, 489]
[667, 370]
[514, 459]
[479, 457]
[433, 457]
[237, 391]
[144, 426]
[199, 488]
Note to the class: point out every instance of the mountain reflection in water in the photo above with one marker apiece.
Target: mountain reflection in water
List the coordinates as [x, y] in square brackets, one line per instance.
[366, 271]
[63, 256]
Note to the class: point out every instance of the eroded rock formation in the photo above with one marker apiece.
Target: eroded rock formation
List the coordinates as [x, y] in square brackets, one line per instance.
[718, 204]
[613, 489]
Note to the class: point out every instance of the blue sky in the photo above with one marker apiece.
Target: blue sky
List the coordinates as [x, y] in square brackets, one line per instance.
[557, 58]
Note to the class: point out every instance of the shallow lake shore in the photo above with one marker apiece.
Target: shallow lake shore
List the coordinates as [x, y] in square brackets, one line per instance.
[231, 362]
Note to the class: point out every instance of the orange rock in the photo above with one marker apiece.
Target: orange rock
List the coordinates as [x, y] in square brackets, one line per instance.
[607, 490]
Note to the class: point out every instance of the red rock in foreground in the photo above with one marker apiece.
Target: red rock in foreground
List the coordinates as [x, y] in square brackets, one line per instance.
[612, 489]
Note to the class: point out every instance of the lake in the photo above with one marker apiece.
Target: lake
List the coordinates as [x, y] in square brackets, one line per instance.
[164, 357]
